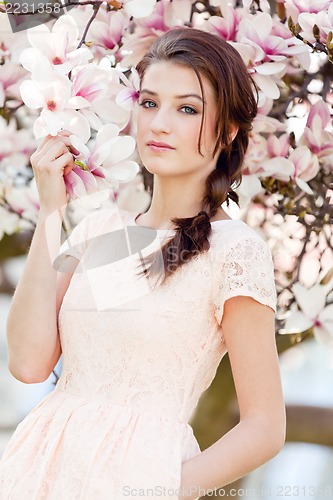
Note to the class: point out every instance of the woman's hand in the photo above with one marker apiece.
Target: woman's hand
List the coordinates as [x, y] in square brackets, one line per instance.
[50, 162]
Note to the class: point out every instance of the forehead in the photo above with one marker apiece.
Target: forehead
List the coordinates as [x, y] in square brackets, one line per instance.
[175, 79]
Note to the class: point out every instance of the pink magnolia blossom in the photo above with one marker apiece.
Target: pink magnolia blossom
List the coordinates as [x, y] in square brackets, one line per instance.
[11, 44]
[225, 27]
[24, 201]
[295, 47]
[108, 28]
[324, 21]
[57, 46]
[16, 147]
[182, 9]
[312, 313]
[89, 83]
[306, 167]
[264, 123]
[315, 137]
[104, 165]
[127, 97]
[136, 44]
[296, 7]
[258, 165]
[105, 109]
[11, 75]
[51, 92]
[278, 146]
[139, 8]
[264, 54]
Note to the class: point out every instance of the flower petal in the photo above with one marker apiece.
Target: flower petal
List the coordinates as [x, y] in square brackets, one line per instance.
[304, 186]
[311, 300]
[31, 95]
[122, 148]
[297, 322]
[124, 171]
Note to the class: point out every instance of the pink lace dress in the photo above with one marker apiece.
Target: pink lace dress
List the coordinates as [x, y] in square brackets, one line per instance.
[136, 359]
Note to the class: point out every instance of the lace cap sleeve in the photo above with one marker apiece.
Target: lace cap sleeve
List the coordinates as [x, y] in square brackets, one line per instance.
[245, 268]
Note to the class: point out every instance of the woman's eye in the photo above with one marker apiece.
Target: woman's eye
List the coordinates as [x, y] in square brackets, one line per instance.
[146, 104]
[189, 111]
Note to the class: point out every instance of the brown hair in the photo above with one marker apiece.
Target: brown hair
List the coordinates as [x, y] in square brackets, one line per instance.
[222, 65]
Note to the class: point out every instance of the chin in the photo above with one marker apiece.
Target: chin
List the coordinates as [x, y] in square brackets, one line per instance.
[158, 166]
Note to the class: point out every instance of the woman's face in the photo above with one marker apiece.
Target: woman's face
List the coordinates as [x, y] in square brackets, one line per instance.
[170, 112]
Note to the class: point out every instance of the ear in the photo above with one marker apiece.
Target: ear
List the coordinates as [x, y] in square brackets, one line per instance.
[233, 130]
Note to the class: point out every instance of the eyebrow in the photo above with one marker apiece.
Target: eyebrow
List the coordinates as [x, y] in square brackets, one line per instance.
[184, 96]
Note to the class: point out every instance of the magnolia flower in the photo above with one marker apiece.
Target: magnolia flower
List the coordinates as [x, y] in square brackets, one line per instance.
[103, 166]
[11, 44]
[312, 313]
[104, 110]
[128, 96]
[265, 123]
[225, 27]
[296, 7]
[57, 46]
[11, 75]
[16, 147]
[138, 8]
[264, 54]
[182, 9]
[324, 21]
[278, 146]
[266, 74]
[108, 28]
[306, 167]
[52, 92]
[147, 29]
[315, 137]
[24, 200]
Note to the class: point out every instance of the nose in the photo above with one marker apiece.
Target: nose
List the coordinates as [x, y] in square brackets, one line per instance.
[161, 121]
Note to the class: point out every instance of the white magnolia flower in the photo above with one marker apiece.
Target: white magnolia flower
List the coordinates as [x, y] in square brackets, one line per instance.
[312, 313]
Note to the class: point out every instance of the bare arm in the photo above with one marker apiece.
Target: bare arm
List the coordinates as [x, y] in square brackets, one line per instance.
[32, 332]
[260, 434]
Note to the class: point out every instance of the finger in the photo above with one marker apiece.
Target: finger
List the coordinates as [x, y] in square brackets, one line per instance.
[65, 160]
[65, 133]
[68, 168]
[68, 143]
[58, 149]
[47, 146]
[37, 152]
[53, 153]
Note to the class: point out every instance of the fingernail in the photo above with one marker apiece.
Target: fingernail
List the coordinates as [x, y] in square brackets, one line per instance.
[74, 150]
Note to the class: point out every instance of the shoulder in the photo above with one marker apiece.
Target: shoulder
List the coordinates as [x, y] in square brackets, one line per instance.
[242, 265]
[238, 239]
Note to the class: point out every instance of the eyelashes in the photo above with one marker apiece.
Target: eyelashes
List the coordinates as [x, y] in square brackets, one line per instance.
[191, 111]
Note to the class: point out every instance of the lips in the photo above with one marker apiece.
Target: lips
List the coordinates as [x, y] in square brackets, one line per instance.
[159, 145]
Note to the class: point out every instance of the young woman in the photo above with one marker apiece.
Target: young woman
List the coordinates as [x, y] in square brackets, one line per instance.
[136, 362]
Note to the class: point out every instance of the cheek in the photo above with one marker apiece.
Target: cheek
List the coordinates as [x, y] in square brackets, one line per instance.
[141, 127]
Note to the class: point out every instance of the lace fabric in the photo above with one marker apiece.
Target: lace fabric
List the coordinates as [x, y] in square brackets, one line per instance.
[243, 266]
[136, 360]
